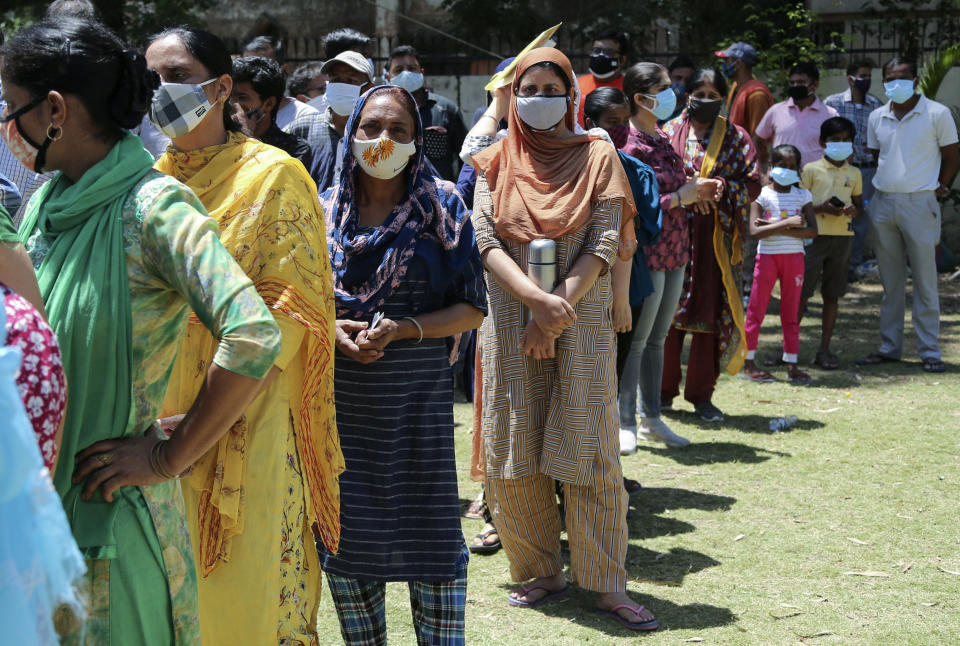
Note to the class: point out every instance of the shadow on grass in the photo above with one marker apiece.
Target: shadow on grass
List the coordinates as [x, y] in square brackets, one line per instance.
[665, 568]
[656, 500]
[580, 608]
[716, 452]
[645, 526]
[745, 423]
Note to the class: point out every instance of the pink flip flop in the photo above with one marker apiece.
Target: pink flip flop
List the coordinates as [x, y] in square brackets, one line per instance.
[555, 595]
[653, 624]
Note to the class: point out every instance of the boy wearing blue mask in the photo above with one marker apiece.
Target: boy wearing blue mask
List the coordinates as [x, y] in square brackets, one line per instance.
[837, 187]
[857, 104]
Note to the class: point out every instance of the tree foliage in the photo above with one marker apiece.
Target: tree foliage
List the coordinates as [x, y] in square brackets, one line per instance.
[133, 20]
[783, 32]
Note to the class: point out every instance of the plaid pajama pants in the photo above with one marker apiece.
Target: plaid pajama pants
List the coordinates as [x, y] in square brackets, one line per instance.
[437, 608]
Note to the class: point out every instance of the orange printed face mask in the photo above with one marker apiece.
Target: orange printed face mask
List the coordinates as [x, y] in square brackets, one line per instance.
[28, 153]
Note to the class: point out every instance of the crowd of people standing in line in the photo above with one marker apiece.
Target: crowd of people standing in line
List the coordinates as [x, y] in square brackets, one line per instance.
[232, 305]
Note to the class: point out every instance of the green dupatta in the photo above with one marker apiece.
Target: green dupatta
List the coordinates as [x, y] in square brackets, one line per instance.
[84, 284]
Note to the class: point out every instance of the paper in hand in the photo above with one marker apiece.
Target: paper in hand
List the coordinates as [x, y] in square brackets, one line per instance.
[505, 77]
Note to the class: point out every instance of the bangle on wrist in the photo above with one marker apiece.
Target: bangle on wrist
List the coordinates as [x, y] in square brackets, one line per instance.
[417, 323]
[490, 116]
[158, 461]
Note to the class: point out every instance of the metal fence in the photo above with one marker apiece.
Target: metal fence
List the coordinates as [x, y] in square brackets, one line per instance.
[840, 39]
[879, 39]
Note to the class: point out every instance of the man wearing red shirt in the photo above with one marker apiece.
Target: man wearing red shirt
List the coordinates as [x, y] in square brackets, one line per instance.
[608, 57]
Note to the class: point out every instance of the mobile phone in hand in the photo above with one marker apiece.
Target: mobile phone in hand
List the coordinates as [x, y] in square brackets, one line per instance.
[836, 202]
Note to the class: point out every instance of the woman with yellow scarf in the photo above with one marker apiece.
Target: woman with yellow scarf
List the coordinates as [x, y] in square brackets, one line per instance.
[259, 498]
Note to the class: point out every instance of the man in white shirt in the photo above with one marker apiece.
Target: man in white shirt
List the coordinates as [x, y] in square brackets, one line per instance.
[915, 139]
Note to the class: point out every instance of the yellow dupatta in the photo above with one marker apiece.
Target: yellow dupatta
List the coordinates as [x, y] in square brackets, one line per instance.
[272, 223]
[724, 259]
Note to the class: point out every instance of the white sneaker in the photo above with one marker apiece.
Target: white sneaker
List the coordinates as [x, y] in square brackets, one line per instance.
[653, 429]
[628, 441]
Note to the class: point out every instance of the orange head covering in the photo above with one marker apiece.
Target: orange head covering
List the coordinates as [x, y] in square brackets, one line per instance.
[544, 186]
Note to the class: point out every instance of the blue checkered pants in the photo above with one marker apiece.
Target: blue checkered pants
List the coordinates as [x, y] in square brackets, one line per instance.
[437, 608]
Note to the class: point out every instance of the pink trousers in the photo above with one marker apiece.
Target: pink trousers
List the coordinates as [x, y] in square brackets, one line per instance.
[788, 269]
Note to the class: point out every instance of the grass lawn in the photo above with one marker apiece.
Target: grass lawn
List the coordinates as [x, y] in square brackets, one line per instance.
[842, 530]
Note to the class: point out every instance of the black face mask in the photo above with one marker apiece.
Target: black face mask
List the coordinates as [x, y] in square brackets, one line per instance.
[601, 65]
[704, 110]
[862, 84]
[798, 92]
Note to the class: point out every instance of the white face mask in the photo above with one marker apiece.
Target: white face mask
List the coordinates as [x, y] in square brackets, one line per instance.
[178, 108]
[342, 97]
[542, 112]
[409, 81]
[382, 158]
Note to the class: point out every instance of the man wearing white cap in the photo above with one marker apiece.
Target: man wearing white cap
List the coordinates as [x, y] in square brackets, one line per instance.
[349, 75]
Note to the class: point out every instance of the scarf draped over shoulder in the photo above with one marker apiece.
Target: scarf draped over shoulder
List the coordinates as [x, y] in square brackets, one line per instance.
[86, 292]
[273, 225]
[430, 221]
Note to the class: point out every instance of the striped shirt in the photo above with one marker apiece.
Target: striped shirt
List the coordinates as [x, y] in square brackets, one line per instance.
[780, 206]
[399, 506]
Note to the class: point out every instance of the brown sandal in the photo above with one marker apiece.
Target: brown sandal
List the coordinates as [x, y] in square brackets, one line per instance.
[826, 360]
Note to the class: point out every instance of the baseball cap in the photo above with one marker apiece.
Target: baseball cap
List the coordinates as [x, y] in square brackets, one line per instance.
[742, 51]
[353, 59]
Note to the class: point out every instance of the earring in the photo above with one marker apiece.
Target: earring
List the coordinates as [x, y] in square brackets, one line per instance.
[50, 130]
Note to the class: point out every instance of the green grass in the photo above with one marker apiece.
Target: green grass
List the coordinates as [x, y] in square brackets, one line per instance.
[748, 537]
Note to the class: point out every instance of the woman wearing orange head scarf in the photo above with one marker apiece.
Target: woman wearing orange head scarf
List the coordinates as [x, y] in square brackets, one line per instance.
[549, 356]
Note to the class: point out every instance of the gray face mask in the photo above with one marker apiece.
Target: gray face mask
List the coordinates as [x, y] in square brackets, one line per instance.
[178, 108]
[542, 112]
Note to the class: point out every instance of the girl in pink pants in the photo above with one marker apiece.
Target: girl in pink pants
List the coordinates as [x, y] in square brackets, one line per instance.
[780, 218]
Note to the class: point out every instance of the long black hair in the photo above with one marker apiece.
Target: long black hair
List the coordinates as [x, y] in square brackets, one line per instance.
[83, 58]
[212, 54]
[603, 99]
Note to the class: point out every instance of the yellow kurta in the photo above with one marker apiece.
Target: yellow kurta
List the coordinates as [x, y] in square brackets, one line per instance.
[258, 498]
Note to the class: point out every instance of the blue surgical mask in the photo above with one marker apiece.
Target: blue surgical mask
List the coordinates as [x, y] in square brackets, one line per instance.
[728, 69]
[409, 81]
[899, 90]
[664, 103]
[680, 89]
[784, 176]
[838, 150]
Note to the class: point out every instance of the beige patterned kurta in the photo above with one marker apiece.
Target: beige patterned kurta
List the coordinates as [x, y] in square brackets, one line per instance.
[548, 417]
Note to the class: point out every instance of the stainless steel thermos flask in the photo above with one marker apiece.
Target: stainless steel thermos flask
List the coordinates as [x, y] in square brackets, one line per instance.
[542, 265]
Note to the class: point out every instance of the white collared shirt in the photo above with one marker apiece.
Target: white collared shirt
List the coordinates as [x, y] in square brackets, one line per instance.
[291, 111]
[909, 148]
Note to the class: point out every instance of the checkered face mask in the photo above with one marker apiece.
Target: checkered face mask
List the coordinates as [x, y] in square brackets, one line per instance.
[178, 108]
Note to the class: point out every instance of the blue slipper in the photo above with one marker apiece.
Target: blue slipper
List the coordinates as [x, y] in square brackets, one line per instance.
[653, 624]
[550, 596]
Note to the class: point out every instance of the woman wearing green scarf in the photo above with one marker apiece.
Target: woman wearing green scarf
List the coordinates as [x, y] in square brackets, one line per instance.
[123, 254]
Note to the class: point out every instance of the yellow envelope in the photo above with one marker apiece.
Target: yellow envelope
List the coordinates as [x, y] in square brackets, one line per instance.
[505, 76]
